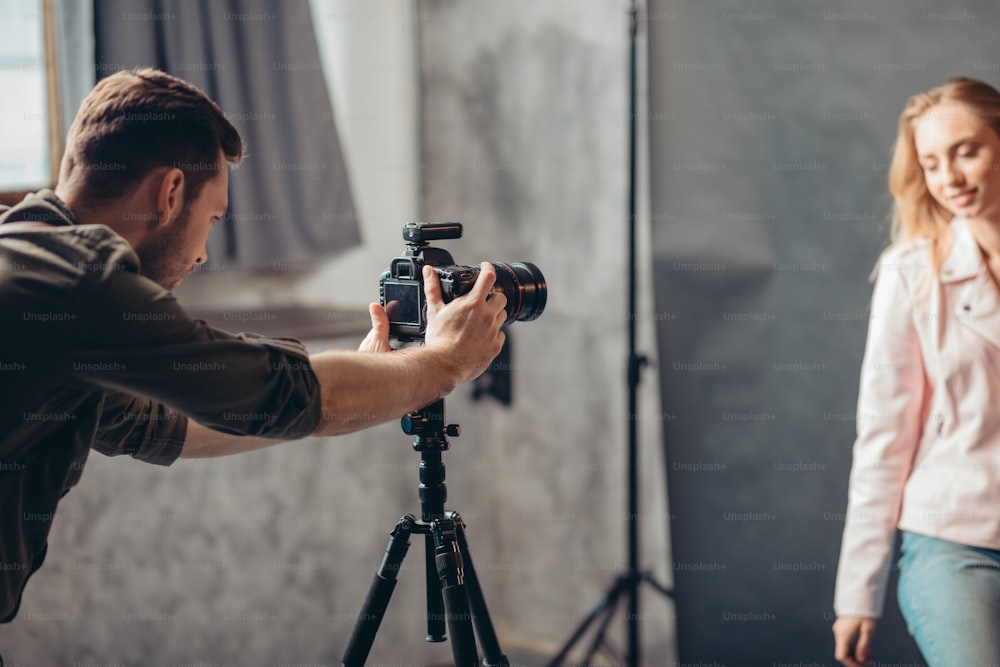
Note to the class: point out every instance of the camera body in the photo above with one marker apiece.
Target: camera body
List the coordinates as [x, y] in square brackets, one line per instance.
[401, 286]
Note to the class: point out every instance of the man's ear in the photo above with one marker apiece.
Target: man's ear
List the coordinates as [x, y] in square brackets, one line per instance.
[169, 193]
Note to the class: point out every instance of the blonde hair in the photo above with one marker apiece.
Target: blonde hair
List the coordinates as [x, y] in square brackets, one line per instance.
[915, 213]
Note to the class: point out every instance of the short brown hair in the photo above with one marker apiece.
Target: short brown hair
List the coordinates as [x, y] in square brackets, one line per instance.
[136, 120]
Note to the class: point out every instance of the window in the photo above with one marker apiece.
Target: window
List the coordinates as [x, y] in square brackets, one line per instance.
[30, 132]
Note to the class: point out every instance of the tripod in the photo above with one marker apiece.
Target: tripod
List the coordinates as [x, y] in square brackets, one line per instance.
[453, 591]
[627, 584]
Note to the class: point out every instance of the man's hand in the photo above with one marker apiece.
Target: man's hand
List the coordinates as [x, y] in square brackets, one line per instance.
[467, 328]
[470, 321]
[853, 640]
[462, 338]
[377, 339]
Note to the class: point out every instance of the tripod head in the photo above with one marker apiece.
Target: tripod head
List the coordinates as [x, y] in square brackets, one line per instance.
[427, 424]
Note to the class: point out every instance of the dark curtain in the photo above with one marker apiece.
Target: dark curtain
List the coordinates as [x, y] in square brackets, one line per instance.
[290, 200]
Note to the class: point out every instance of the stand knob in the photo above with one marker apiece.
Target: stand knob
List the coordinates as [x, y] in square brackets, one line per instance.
[412, 423]
[421, 422]
[417, 423]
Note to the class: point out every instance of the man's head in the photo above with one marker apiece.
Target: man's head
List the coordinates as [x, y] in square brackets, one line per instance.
[147, 155]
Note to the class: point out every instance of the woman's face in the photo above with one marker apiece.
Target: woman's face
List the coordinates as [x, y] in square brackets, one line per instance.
[960, 158]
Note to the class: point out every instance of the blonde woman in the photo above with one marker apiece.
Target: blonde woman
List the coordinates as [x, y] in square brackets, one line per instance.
[927, 454]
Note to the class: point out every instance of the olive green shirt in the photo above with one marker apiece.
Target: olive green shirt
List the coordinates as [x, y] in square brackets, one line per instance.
[94, 355]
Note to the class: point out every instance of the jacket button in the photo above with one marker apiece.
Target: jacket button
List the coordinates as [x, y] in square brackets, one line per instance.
[966, 307]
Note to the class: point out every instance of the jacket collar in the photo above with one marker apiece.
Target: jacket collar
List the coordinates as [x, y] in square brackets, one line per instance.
[964, 260]
[42, 206]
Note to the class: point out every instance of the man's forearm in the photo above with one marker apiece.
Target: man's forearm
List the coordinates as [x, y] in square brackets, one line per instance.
[362, 389]
[202, 442]
[358, 390]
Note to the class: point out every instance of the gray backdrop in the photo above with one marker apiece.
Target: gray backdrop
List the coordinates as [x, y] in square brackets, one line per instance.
[771, 126]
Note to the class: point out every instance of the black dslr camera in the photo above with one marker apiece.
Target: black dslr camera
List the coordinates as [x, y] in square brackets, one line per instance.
[401, 287]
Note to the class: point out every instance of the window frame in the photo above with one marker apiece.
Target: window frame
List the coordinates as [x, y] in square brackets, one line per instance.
[53, 115]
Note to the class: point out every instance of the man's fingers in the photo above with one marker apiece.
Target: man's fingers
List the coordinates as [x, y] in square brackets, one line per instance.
[501, 317]
[380, 320]
[484, 283]
[432, 288]
[377, 339]
[499, 298]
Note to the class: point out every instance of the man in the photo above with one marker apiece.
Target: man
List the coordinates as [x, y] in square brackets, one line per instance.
[96, 352]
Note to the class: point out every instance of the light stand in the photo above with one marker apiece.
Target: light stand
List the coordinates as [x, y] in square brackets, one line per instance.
[628, 582]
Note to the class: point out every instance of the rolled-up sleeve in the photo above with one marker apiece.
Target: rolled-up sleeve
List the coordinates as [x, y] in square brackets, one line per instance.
[132, 337]
[889, 424]
[141, 428]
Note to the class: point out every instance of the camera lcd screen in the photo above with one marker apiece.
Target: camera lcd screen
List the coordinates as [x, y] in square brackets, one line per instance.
[403, 303]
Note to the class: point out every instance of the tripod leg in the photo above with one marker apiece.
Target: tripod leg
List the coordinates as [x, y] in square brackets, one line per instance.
[373, 610]
[492, 654]
[448, 559]
[435, 603]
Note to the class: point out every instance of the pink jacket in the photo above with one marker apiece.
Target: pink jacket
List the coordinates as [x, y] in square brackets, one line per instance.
[927, 454]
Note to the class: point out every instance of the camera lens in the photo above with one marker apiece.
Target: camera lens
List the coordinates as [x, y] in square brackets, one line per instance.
[524, 286]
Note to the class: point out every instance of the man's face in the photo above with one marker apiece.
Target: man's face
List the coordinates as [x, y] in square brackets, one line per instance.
[173, 250]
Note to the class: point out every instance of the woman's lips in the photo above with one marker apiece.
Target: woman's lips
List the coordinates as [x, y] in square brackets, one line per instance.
[963, 199]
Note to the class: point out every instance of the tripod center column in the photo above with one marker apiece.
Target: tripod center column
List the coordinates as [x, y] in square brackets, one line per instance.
[433, 492]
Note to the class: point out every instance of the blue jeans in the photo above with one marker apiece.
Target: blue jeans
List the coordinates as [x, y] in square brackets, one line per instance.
[949, 595]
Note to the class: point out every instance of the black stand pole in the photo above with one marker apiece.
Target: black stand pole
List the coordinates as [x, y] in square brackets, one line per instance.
[628, 582]
[453, 591]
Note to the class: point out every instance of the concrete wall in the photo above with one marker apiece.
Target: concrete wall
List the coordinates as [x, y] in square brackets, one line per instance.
[525, 122]
[265, 558]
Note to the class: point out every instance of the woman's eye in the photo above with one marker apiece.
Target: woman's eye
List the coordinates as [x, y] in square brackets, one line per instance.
[969, 150]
